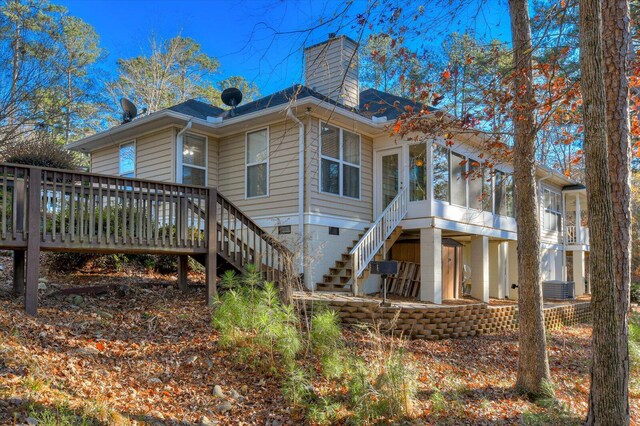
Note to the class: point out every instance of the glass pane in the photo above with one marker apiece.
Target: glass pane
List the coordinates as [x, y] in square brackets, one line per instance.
[350, 147]
[193, 176]
[418, 172]
[351, 184]
[440, 173]
[330, 176]
[194, 150]
[330, 141]
[475, 179]
[127, 159]
[389, 178]
[487, 190]
[509, 194]
[257, 145]
[499, 208]
[458, 180]
[257, 180]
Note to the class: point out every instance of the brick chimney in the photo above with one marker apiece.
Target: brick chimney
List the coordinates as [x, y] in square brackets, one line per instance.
[331, 68]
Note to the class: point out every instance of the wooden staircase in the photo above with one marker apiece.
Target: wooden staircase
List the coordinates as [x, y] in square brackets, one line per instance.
[339, 278]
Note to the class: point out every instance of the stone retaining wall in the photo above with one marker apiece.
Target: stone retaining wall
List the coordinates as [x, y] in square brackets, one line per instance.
[434, 323]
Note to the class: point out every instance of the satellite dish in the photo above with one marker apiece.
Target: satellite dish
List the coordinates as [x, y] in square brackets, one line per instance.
[231, 97]
[129, 110]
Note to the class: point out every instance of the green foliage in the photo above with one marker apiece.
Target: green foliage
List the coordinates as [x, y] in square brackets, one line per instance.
[187, 70]
[635, 292]
[250, 318]
[634, 343]
[60, 415]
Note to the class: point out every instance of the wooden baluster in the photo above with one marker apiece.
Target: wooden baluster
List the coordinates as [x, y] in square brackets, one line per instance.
[5, 194]
[171, 226]
[132, 212]
[192, 204]
[156, 211]
[164, 215]
[63, 215]
[100, 207]
[54, 204]
[108, 212]
[91, 205]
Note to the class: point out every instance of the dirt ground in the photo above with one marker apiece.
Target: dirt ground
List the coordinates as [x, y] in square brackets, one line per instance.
[147, 354]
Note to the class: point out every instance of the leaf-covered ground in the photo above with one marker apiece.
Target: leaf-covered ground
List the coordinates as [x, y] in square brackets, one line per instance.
[151, 357]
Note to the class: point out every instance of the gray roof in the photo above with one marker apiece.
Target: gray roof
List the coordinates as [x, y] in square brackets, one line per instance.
[372, 103]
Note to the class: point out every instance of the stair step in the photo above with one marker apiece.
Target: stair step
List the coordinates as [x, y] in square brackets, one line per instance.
[341, 279]
[335, 288]
[337, 271]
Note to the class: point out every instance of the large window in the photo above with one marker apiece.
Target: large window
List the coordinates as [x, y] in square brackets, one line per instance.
[440, 172]
[552, 200]
[417, 172]
[487, 190]
[339, 161]
[504, 203]
[475, 179]
[194, 159]
[127, 159]
[257, 163]
[458, 180]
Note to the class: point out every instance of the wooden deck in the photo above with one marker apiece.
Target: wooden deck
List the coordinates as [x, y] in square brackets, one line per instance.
[61, 210]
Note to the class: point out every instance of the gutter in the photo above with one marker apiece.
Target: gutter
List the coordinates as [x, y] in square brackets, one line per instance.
[301, 163]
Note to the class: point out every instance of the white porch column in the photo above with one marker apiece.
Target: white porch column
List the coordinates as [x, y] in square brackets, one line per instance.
[480, 268]
[494, 269]
[578, 220]
[512, 261]
[431, 265]
[578, 271]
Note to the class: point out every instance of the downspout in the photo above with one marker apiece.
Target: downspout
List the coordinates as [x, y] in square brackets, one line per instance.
[300, 124]
[180, 147]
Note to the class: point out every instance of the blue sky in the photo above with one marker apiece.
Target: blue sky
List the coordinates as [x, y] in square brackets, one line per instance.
[241, 34]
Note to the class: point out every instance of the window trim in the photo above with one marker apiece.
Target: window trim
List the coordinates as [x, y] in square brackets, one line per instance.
[340, 162]
[247, 164]
[135, 159]
[180, 162]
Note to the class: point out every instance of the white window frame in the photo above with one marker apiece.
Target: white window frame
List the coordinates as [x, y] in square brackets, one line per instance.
[247, 164]
[340, 162]
[180, 162]
[546, 210]
[135, 159]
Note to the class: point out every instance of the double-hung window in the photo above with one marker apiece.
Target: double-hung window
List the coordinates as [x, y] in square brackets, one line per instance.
[127, 160]
[339, 161]
[194, 159]
[552, 210]
[257, 163]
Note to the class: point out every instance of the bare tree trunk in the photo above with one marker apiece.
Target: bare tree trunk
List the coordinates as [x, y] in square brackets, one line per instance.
[606, 402]
[617, 51]
[533, 364]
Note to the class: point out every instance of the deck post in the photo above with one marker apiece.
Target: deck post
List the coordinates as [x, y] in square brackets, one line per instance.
[33, 241]
[18, 271]
[183, 268]
[212, 245]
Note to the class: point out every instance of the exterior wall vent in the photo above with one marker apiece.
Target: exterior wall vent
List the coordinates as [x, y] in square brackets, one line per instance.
[334, 230]
[284, 229]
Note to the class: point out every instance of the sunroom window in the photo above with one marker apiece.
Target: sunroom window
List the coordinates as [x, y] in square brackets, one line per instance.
[339, 161]
[458, 179]
[440, 172]
[257, 163]
[417, 172]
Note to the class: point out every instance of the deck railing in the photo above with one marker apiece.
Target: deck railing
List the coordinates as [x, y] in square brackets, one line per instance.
[63, 210]
[373, 240]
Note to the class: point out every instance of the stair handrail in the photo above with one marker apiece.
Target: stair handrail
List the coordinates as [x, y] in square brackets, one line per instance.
[373, 240]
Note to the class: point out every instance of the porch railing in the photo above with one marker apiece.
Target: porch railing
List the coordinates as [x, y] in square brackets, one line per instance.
[575, 235]
[373, 240]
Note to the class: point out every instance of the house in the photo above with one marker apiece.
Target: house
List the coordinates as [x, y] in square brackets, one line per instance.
[315, 166]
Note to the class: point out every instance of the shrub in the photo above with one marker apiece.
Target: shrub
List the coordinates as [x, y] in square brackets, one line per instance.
[43, 153]
[635, 292]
